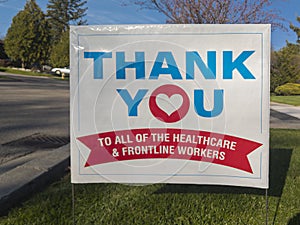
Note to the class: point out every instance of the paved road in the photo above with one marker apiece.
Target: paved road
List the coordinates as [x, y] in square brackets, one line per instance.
[32, 109]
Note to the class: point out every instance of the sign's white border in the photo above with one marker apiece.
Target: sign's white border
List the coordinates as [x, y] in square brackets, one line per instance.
[77, 33]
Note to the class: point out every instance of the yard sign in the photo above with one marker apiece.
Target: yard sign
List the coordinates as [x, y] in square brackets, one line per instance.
[170, 104]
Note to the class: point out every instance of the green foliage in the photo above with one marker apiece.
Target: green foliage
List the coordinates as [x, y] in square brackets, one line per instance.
[296, 30]
[59, 56]
[288, 89]
[27, 39]
[174, 204]
[2, 51]
[285, 63]
[285, 66]
[62, 13]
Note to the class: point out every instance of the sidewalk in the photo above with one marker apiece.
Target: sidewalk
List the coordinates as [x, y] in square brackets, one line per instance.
[290, 110]
[21, 177]
[284, 116]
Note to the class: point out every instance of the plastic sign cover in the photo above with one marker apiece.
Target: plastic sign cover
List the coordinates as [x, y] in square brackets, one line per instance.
[170, 104]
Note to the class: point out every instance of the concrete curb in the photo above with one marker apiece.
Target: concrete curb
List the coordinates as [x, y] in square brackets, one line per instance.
[20, 182]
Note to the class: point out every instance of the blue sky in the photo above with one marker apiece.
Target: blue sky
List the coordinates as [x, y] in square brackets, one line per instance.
[113, 12]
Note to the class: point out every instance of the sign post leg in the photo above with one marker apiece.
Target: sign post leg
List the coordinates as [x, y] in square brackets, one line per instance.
[73, 203]
[267, 206]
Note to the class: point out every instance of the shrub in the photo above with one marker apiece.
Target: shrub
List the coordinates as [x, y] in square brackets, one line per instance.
[288, 89]
[5, 62]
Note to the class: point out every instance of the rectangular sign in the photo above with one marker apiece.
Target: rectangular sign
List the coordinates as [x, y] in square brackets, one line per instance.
[170, 104]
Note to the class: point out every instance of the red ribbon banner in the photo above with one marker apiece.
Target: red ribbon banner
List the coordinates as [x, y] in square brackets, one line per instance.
[156, 143]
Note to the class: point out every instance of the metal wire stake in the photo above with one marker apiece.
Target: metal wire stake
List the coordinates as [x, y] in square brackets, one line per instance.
[267, 206]
[73, 203]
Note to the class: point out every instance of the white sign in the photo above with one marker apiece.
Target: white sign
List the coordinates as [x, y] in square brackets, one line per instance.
[170, 104]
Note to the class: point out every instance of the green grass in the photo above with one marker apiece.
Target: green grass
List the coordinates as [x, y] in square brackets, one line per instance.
[21, 72]
[290, 100]
[175, 204]
[30, 73]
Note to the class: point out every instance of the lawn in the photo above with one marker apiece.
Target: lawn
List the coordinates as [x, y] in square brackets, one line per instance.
[22, 72]
[291, 100]
[175, 204]
[29, 73]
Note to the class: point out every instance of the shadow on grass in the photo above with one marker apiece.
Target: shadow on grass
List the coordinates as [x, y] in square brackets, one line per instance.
[279, 165]
[295, 220]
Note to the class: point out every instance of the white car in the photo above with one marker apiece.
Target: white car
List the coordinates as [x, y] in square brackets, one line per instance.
[59, 71]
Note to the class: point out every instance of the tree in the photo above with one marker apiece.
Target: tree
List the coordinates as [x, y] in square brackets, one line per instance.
[285, 63]
[2, 51]
[214, 11]
[285, 66]
[62, 13]
[59, 56]
[27, 39]
[296, 29]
